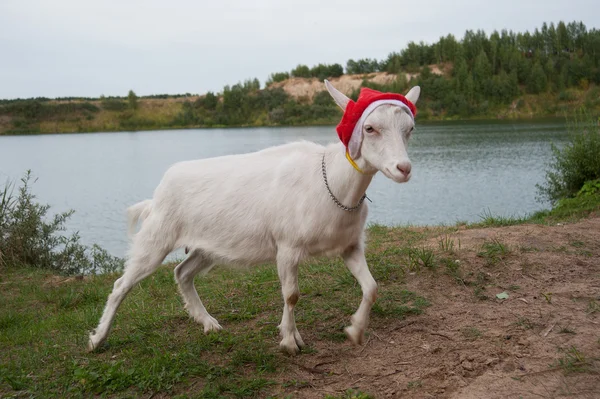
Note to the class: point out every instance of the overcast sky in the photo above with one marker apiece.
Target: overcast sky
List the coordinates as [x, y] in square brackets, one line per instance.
[56, 48]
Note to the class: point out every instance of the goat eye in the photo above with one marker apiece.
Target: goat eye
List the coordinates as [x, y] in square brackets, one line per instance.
[369, 129]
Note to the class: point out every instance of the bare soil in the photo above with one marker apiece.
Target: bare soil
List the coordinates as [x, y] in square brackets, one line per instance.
[307, 88]
[543, 341]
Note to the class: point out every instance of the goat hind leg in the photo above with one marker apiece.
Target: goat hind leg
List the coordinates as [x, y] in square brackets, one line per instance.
[138, 267]
[195, 263]
[287, 268]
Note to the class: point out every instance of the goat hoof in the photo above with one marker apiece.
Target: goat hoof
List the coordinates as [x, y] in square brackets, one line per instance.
[289, 346]
[211, 324]
[298, 339]
[93, 344]
[354, 335]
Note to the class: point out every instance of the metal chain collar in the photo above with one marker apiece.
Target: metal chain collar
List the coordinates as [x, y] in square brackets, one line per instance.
[338, 203]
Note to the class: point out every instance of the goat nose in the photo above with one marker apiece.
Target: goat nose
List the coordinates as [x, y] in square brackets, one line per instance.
[404, 167]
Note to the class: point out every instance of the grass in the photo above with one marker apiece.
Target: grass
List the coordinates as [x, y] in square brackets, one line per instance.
[573, 361]
[593, 307]
[525, 323]
[351, 394]
[471, 333]
[155, 347]
[447, 244]
[490, 220]
[567, 210]
[493, 251]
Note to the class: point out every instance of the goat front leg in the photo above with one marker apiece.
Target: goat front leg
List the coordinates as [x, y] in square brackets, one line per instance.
[354, 257]
[287, 268]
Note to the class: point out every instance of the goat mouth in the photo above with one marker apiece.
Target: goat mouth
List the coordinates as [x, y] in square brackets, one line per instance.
[396, 178]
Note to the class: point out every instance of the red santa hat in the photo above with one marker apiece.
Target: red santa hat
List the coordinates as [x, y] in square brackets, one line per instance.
[350, 129]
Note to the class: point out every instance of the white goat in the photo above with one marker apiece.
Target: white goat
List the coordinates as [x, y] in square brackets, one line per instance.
[273, 204]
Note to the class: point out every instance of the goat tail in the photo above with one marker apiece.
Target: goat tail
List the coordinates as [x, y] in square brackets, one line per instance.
[137, 213]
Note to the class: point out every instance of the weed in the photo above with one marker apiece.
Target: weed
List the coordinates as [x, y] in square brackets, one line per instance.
[547, 296]
[566, 330]
[573, 361]
[414, 384]
[453, 269]
[575, 163]
[479, 292]
[493, 251]
[525, 323]
[418, 257]
[489, 220]
[447, 244]
[471, 333]
[593, 307]
[351, 394]
[27, 239]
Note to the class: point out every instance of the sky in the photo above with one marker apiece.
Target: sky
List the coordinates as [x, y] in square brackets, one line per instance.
[61, 48]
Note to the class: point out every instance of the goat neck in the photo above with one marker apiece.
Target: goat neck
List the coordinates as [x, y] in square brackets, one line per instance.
[347, 184]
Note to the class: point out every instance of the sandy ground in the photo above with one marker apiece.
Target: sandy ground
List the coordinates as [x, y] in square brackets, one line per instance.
[541, 342]
[307, 88]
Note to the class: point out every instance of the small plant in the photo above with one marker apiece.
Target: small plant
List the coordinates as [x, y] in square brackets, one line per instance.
[479, 292]
[566, 330]
[453, 269]
[414, 384]
[350, 394]
[471, 333]
[490, 220]
[525, 323]
[418, 257]
[547, 296]
[593, 307]
[573, 361]
[576, 163]
[28, 238]
[493, 251]
[447, 244]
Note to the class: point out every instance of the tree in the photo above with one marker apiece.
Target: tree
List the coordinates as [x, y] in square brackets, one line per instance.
[132, 100]
[537, 81]
[301, 71]
[482, 73]
[209, 101]
[364, 65]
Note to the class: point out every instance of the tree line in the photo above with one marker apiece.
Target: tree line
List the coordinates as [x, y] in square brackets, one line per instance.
[482, 74]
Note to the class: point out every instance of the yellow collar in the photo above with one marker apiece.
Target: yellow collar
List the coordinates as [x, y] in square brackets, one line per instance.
[354, 165]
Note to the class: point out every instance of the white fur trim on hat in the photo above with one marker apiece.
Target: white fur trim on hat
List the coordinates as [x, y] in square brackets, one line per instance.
[357, 134]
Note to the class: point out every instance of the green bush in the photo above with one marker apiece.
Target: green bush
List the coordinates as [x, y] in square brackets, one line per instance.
[576, 163]
[27, 238]
[111, 104]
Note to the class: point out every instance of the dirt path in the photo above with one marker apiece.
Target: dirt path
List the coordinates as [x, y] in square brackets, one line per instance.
[543, 341]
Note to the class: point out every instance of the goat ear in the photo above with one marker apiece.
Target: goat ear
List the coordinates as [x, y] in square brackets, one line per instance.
[340, 99]
[413, 94]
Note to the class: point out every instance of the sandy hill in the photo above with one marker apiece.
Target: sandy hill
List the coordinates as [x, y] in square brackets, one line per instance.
[308, 87]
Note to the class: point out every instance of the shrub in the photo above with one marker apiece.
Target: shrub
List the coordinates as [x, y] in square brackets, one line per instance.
[27, 238]
[576, 163]
[111, 104]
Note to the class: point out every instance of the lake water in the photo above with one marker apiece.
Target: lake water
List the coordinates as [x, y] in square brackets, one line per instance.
[460, 170]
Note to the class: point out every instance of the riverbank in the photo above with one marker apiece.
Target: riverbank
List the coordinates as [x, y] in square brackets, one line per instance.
[502, 308]
[296, 102]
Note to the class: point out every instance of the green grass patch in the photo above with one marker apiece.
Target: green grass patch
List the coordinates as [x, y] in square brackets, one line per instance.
[493, 251]
[490, 220]
[155, 347]
[573, 361]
